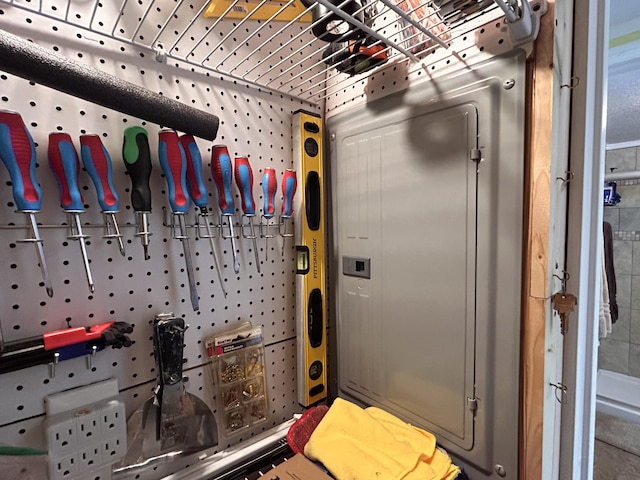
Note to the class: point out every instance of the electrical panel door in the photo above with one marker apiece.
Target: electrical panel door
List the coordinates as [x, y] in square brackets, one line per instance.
[427, 202]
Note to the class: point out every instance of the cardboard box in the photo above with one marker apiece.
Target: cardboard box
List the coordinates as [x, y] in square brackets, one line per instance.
[296, 468]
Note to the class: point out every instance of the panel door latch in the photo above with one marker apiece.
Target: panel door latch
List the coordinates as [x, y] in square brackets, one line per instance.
[472, 403]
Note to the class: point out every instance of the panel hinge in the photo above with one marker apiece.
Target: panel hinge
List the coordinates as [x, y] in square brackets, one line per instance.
[476, 155]
[472, 403]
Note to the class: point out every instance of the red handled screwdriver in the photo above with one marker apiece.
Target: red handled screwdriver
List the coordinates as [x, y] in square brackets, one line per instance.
[63, 161]
[223, 176]
[244, 181]
[137, 161]
[18, 153]
[97, 161]
[289, 185]
[198, 192]
[174, 166]
[269, 187]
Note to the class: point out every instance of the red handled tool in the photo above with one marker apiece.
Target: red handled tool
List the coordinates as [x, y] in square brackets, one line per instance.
[18, 153]
[269, 186]
[54, 347]
[137, 161]
[223, 176]
[63, 161]
[198, 193]
[174, 166]
[97, 161]
[244, 181]
[289, 185]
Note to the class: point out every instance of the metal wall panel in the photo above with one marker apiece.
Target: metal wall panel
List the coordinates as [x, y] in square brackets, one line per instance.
[433, 336]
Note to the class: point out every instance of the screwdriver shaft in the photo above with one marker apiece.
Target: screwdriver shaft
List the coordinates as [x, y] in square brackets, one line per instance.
[113, 230]
[236, 263]
[142, 220]
[35, 235]
[83, 249]
[186, 248]
[213, 253]
[255, 246]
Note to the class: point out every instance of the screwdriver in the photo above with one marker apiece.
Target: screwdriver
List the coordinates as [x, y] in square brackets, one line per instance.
[198, 192]
[63, 161]
[18, 153]
[137, 160]
[174, 166]
[97, 161]
[222, 176]
[289, 184]
[269, 186]
[244, 180]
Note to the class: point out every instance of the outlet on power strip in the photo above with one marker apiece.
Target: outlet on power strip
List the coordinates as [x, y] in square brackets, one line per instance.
[64, 468]
[63, 437]
[89, 458]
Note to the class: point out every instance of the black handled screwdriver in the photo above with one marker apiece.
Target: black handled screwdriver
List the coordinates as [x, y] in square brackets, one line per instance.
[137, 160]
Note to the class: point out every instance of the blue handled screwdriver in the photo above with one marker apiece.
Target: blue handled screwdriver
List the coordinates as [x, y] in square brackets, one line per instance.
[63, 160]
[18, 153]
[269, 186]
[97, 161]
[223, 176]
[244, 181]
[289, 185]
[198, 192]
[174, 166]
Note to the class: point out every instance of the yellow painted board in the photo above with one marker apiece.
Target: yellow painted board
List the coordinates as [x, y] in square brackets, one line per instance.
[244, 8]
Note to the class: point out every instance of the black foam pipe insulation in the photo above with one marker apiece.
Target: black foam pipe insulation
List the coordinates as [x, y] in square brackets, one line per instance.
[30, 61]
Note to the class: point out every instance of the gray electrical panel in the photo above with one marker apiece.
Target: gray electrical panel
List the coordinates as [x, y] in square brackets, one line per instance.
[427, 187]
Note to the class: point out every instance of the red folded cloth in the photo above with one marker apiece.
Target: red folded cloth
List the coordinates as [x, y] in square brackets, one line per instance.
[301, 430]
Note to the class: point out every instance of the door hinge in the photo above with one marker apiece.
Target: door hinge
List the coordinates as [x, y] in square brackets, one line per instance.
[476, 155]
[472, 403]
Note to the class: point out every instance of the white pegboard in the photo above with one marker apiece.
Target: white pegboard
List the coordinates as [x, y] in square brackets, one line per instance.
[252, 123]
[281, 385]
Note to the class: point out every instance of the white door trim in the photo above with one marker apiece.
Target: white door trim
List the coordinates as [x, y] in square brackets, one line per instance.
[584, 235]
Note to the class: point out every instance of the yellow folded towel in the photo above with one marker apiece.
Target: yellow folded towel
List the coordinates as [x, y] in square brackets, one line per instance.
[371, 444]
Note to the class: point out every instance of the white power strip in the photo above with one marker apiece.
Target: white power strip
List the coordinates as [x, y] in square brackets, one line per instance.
[87, 438]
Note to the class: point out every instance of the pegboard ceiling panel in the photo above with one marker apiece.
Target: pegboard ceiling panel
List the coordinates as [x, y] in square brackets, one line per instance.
[307, 49]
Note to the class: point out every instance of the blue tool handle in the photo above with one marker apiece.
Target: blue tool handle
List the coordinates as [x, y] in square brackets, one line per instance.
[269, 186]
[289, 184]
[63, 160]
[244, 180]
[222, 176]
[174, 166]
[97, 161]
[18, 153]
[195, 183]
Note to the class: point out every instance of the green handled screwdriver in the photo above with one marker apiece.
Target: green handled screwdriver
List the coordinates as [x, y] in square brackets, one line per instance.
[137, 160]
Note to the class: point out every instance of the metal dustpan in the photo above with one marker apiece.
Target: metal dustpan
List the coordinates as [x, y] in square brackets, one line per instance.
[173, 422]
